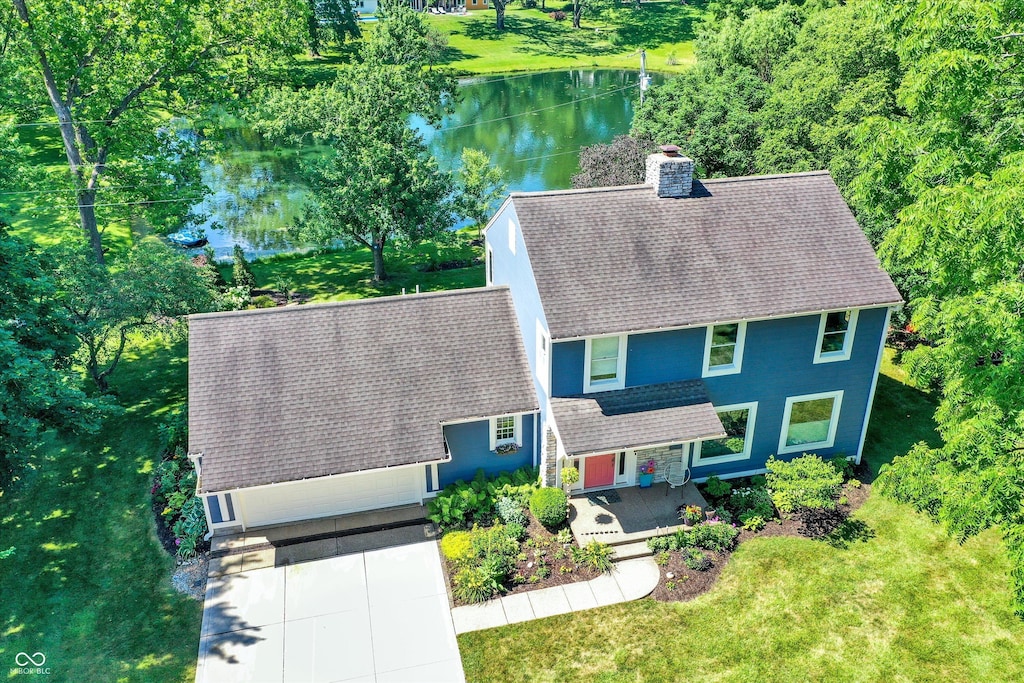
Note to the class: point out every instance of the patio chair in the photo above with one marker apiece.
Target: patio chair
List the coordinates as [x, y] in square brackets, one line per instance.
[677, 474]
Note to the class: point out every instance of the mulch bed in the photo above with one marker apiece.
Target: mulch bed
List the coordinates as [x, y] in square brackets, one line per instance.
[833, 527]
[554, 556]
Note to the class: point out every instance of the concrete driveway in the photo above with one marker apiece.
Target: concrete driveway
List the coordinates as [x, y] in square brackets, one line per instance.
[379, 615]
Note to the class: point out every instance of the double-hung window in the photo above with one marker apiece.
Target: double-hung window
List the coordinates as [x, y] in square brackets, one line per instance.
[810, 422]
[835, 336]
[723, 349]
[605, 364]
[738, 421]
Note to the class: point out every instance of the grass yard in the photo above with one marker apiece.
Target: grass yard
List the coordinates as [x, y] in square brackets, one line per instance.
[88, 584]
[903, 603]
[346, 274]
[532, 41]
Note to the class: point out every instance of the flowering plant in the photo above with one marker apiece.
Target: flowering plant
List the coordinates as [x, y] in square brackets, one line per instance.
[647, 467]
[692, 514]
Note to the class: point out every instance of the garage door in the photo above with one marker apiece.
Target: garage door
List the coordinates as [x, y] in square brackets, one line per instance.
[330, 496]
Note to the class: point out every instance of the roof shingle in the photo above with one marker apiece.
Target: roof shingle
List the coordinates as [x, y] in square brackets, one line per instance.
[307, 391]
[636, 417]
[613, 260]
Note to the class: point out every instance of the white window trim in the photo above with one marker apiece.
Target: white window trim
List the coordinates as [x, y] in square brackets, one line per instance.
[543, 358]
[489, 265]
[736, 365]
[747, 445]
[847, 350]
[620, 371]
[832, 426]
[512, 236]
[493, 427]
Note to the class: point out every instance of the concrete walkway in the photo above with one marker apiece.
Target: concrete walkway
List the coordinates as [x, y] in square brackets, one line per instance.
[628, 580]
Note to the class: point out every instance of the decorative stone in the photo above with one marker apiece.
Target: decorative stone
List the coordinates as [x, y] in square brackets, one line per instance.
[670, 575]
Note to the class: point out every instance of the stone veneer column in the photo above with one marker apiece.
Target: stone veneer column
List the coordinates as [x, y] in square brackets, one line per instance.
[661, 455]
[549, 460]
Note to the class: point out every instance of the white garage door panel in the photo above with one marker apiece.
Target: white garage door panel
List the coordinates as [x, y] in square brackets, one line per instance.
[332, 496]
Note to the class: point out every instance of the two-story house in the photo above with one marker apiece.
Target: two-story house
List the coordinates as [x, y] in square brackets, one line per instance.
[713, 323]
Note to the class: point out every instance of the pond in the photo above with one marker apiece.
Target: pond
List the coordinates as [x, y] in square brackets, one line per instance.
[532, 126]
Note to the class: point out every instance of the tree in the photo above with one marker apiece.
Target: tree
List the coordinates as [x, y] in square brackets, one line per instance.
[589, 8]
[38, 387]
[499, 13]
[337, 17]
[621, 162]
[241, 273]
[144, 292]
[109, 70]
[480, 186]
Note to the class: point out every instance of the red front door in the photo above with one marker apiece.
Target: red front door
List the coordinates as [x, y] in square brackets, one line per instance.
[600, 471]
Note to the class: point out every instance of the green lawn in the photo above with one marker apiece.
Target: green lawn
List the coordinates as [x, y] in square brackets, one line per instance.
[88, 584]
[532, 41]
[902, 602]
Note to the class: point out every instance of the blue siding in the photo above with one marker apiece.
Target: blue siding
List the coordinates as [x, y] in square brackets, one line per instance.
[515, 271]
[469, 444]
[778, 363]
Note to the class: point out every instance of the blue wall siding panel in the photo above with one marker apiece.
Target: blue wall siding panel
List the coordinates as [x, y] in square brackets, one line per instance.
[469, 444]
[777, 363]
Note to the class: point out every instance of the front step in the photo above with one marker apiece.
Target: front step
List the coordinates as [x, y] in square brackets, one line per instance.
[629, 551]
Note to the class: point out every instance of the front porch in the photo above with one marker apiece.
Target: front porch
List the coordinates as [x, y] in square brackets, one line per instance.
[630, 514]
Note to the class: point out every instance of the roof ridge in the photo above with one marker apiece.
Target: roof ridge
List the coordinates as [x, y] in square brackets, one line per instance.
[351, 302]
[642, 186]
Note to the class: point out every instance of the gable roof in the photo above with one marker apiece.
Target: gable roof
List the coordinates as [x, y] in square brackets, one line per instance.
[620, 259]
[637, 417]
[297, 392]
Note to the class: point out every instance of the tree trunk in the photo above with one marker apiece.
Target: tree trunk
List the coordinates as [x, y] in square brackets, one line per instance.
[543, 5]
[379, 275]
[314, 31]
[499, 11]
[87, 216]
[577, 13]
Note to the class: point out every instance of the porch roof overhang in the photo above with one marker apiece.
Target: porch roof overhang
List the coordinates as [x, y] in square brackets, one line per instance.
[637, 417]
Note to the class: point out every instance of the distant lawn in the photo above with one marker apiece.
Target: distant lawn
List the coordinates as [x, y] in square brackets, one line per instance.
[346, 274]
[532, 41]
[908, 603]
[88, 584]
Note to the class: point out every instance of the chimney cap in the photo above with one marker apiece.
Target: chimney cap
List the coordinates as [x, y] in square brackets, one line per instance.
[670, 150]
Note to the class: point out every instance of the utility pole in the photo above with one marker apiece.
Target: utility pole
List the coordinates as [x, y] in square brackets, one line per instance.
[645, 80]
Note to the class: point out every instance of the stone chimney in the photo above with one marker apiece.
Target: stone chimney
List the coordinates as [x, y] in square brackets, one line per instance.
[670, 174]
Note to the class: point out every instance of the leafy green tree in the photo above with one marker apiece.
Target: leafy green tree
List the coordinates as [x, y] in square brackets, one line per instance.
[620, 162]
[38, 387]
[480, 185]
[241, 273]
[109, 71]
[711, 116]
[335, 17]
[146, 291]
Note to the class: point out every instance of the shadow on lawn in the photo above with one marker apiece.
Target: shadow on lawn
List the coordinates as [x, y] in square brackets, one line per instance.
[901, 416]
[545, 37]
[655, 24]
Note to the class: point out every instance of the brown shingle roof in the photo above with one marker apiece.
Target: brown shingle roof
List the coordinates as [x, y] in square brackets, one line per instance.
[636, 417]
[620, 259]
[307, 391]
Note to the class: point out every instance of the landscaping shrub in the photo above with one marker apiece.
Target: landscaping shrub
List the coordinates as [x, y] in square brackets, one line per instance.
[842, 465]
[711, 536]
[807, 483]
[548, 505]
[493, 542]
[457, 546]
[174, 487]
[263, 301]
[594, 554]
[476, 584]
[717, 488]
[515, 531]
[510, 511]
[463, 503]
[751, 499]
[752, 522]
[557, 15]
[696, 560]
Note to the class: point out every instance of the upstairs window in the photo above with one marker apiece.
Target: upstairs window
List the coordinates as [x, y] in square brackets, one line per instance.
[723, 349]
[835, 336]
[605, 364]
